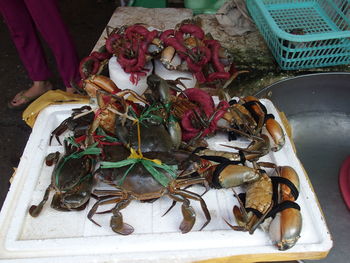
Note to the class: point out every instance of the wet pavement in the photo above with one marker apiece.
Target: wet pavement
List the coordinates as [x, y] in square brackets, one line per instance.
[86, 20]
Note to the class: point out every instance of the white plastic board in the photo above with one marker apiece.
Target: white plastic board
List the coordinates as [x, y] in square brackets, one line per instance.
[66, 236]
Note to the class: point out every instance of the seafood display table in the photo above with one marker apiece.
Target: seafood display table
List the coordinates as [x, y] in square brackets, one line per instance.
[69, 236]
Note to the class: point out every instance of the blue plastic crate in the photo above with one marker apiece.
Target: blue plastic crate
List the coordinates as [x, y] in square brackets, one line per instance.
[304, 33]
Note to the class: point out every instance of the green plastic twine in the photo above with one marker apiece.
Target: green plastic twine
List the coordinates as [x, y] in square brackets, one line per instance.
[147, 114]
[72, 141]
[106, 137]
[92, 150]
[150, 167]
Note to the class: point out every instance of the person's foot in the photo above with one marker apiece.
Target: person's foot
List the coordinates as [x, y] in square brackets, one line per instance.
[70, 90]
[24, 97]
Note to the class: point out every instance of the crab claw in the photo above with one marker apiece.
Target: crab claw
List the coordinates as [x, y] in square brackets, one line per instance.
[189, 218]
[119, 226]
[276, 132]
[285, 228]
[240, 215]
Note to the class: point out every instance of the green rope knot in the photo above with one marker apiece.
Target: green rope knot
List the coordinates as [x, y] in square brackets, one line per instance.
[149, 165]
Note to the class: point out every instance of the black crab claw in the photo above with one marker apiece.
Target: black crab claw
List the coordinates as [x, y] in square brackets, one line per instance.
[59, 130]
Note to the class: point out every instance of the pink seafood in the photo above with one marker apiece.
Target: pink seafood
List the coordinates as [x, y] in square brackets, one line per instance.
[191, 126]
[199, 54]
[131, 49]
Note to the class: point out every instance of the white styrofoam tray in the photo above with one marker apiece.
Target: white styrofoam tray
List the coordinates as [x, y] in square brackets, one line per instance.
[61, 236]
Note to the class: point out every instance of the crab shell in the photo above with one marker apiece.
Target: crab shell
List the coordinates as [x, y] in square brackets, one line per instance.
[154, 137]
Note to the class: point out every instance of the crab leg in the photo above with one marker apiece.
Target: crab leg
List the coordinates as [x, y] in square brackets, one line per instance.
[59, 130]
[190, 195]
[187, 183]
[189, 216]
[35, 210]
[107, 200]
[116, 222]
[133, 93]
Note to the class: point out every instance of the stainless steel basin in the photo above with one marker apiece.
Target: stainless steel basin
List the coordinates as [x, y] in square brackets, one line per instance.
[318, 109]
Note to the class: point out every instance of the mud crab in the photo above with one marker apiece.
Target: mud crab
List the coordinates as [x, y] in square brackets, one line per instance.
[71, 180]
[79, 122]
[154, 175]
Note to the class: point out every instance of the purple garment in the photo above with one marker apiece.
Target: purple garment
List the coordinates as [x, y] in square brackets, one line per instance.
[27, 17]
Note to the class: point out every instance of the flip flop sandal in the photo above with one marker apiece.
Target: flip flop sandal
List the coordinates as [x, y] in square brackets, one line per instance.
[21, 97]
[344, 181]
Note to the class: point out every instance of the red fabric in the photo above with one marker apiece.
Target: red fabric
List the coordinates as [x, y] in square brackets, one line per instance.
[344, 181]
[27, 17]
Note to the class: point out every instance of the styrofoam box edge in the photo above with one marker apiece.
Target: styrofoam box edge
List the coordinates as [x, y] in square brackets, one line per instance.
[155, 247]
